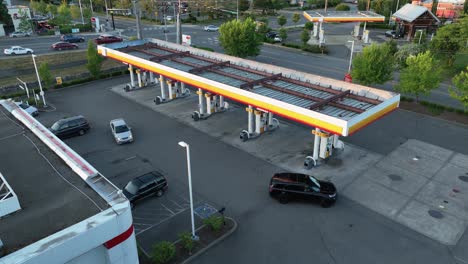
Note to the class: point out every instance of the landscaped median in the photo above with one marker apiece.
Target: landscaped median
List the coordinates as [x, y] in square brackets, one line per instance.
[69, 66]
[214, 230]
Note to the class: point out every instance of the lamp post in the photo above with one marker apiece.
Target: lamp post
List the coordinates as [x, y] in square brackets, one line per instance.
[136, 10]
[351, 56]
[39, 80]
[81, 11]
[189, 172]
[237, 12]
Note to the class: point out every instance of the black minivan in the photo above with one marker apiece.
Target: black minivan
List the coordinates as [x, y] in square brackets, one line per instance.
[71, 126]
[152, 183]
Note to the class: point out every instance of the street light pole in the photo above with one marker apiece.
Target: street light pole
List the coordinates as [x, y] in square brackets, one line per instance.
[189, 172]
[179, 27]
[137, 17]
[351, 56]
[237, 13]
[39, 80]
[81, 10]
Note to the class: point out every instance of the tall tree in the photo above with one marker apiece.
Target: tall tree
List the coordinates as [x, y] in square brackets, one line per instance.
[244, 5]
[25, 23]
[238, 38]
[64, 15]
[420, 76]
[465, 8]
[405, 51]
[374, 65]
[52, 9]
[94, 60]
[5, 18]
[42, 7]
[282, 20]
[45, 74]
[460, 89]
[450, 39]
[75, 12]
[435, 3]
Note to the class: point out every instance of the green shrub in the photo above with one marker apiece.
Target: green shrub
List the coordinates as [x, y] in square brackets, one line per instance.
[315, 49]
[163, 252]
[187, 241]
[214, 222]
[342, 7]
[291, 45]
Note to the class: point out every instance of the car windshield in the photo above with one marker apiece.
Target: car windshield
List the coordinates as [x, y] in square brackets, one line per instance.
[121, 129]
[314, 181]
[131, 188]
[24, 106]
[56, 126]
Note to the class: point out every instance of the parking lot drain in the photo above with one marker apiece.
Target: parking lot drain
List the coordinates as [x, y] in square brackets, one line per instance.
[463, 178]
[436, 214]
[395, 177]
[204, 211]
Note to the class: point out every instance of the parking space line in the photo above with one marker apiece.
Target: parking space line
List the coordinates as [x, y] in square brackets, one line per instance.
[168, 209]
[137, 233]
[178, 205]
[135, 223]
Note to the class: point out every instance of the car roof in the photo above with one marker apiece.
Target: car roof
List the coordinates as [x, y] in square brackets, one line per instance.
[145, 178]
[16, 47]
[72, 118]
[118, 122]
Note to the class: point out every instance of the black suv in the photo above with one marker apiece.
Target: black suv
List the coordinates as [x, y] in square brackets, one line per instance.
[286, 186]
[71, 126]
[152, 183]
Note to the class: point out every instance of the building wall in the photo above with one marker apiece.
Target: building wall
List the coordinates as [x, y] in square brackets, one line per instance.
[15, 13]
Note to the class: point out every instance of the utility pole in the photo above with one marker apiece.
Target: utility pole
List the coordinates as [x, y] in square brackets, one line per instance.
[81, 10]
[112, 14]
[179, 27]
[136, 10]
[237, 13]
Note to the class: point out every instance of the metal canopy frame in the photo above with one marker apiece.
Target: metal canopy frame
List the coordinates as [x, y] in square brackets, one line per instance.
[327, 96]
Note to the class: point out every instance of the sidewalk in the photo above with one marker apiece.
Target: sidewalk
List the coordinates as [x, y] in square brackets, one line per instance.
[419, 185]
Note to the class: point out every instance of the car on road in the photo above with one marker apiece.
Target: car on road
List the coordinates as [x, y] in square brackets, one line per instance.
[169, 18]
[72, 126]
[63, 46]
[20, 34]
[29, 109]
[273, 36]
[288, 186]
[103, 39]
[71, 38]
[393, 34]
[152, 183]
[17, 50]
[121, 131]
[211, 28]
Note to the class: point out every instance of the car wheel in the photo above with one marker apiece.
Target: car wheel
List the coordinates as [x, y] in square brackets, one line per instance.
[29, 52]
[13, 53]
[283, 198]
[132, 205]
[59, 48]
[81, 132]
[159, 193]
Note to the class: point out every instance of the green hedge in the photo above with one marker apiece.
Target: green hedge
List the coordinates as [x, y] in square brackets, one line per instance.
[307, 48]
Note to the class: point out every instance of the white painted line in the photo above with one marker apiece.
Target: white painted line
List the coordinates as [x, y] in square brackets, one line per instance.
[146, 229]
[178, 205]
[134, 223]
[130, 158]
[168, 209]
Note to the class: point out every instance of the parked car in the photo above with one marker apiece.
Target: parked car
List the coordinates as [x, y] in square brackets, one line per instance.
[287, 186]
[20, 34]
[121, 131]
[103, 39]
[169, 18]
[152, 183]
[29, 109]
[71, 38]
[71, 126]
[211, 28]
[63, 46]
[393, 34]
[16, 50]
[271, 34]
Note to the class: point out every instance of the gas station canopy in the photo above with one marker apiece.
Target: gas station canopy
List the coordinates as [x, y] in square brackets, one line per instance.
[335, 106]
[343, 16]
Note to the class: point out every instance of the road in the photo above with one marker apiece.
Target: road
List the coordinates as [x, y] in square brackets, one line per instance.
[268, 232]
[334, 65]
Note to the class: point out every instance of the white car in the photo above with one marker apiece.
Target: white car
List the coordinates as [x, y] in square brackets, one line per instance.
[20, 34]
[211, 28]
[17, 50]
[169, 18]
[29, 109]
[277, 39]
[121, 131]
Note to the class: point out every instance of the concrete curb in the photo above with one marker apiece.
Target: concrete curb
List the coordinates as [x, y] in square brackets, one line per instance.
[217, 241]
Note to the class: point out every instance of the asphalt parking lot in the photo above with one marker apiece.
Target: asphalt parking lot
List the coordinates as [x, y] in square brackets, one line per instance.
[223, 175]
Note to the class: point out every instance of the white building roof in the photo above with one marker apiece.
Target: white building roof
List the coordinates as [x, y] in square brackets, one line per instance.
[410, 12]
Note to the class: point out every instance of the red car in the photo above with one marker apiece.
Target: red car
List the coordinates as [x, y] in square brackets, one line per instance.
[63, 46]
[103, 39]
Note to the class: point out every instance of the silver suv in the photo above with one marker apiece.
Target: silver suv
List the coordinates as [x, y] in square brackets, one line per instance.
[121, 131]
